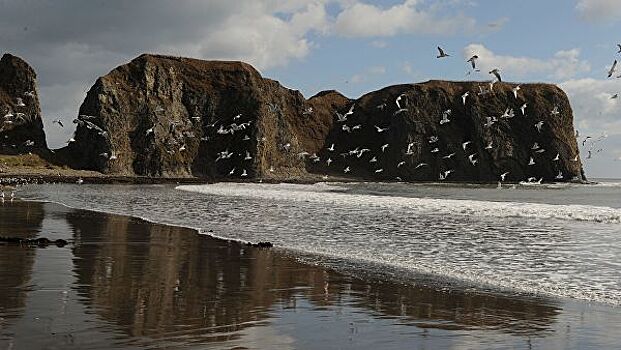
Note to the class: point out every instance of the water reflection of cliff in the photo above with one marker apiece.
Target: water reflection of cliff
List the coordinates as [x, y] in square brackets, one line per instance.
[161, 281]
[17, 219]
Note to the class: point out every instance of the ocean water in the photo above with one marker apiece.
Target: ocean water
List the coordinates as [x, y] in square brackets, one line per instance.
[555, 240]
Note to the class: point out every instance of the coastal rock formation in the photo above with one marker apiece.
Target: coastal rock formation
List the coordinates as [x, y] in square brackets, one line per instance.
[21, 128]
[434, 133]
[174, 117]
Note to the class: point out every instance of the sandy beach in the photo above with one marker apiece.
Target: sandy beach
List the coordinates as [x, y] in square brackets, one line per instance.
[126, 283]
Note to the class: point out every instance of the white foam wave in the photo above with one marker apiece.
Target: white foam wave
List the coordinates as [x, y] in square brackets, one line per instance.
[331, 194]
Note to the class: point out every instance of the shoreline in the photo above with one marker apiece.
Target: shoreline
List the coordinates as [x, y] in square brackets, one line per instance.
[159, 284]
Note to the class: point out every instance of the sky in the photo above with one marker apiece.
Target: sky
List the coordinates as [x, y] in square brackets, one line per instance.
[353, 46]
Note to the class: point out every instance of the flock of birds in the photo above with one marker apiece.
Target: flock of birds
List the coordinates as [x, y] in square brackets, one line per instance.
[176, 140]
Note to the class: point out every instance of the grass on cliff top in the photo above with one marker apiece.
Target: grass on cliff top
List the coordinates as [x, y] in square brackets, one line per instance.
[24, 160]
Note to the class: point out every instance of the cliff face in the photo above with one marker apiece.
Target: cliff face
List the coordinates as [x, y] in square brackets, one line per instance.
[21, 128]
[168, 116]
[432, 134]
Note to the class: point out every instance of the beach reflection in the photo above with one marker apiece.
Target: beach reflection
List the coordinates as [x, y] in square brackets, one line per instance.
[155, 285]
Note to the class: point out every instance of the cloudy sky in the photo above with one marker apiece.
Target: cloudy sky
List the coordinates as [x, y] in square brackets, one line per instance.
[354, 46]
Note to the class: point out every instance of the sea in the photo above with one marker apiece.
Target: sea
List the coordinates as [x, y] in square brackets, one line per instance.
[559, 241]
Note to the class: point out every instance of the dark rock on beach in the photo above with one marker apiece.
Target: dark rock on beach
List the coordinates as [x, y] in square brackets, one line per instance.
[421, 146]
[168, 116]
[21, 127]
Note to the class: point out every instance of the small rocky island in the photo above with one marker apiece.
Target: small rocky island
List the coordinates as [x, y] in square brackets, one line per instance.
[172, 117]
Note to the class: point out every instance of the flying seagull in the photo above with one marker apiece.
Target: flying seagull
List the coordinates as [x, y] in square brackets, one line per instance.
[612, 69]
[539, 125]
[473, 60]
[496, 73]
[619, 45]
[380, 129]
[59, 122]
[503, 175]
[399, 99]
[463, 97]
[465, 144]
[384, 147]
[441, 52]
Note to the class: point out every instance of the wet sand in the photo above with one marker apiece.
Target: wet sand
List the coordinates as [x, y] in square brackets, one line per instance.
[126, 283]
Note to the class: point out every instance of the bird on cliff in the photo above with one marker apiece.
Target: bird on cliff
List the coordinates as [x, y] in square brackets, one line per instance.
[473, 61]
[535, 146]
[20, 102]
[420, 165]
[465, 144]
[232, 171]
[400, 164]
[515, 91]
[373, 160]
[559, 176]
[329, 161]
[539, 125]
[433, 139]
[575, 159]
[441, 53]
[384, 147]
[464, 96]
[331, 148]
[496, 73]
[435, 150]
[150, 131]
[70, 140]
[523, 109]
[379, 171]
[531, 161]
[380, 129]
[346, 128]
[59, 122]
[490, 145]
[346, 170]
[503, 176]
[248, 156]
[557, 158]
[612, 69]
[244, 173]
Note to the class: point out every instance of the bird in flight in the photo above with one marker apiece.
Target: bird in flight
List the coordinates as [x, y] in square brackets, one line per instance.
[441, 52]
[473, 61]
[612, 69]
[496, 73]
[59, 122]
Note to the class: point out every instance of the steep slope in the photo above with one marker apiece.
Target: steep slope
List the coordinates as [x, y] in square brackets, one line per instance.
[21, 127]
[425, 138]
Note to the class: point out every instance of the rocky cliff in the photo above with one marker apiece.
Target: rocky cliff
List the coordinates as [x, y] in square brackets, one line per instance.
[21, 128]
[170, 116]
[458, 131]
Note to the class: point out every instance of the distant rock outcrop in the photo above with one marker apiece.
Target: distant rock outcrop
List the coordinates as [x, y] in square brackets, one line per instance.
[431, 134]
[169, 116]
[21, 127]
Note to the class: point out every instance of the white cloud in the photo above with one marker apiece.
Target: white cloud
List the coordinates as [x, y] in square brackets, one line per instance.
[595, 10]
[380, 44]
[563, 65]
[366, 20]
[594, 109]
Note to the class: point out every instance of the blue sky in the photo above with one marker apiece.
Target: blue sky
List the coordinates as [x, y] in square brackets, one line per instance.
[353, 46]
